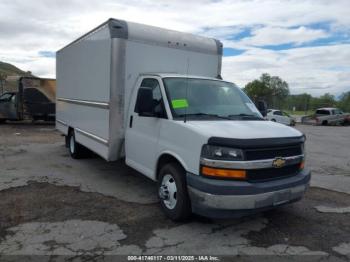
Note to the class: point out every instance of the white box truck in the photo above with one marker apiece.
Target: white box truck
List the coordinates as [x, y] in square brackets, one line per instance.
[155, 97]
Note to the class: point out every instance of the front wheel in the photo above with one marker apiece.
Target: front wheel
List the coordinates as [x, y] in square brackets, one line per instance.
[173, 194]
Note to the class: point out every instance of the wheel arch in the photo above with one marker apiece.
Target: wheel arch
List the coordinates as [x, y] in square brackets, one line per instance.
[168, 157]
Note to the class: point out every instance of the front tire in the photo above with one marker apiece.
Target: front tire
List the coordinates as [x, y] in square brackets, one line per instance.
[173, 194]
[76, 150]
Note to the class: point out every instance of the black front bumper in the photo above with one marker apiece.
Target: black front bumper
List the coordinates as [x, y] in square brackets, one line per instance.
[227, 198]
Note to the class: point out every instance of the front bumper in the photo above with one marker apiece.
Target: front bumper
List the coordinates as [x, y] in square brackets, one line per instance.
[223, 198]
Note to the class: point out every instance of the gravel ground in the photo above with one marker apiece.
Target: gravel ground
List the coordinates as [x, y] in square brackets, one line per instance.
[53, 205]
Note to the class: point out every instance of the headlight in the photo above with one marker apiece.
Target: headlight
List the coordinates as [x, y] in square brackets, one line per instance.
[221, 153]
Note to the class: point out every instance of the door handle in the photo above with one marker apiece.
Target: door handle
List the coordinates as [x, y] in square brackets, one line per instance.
[130, 122]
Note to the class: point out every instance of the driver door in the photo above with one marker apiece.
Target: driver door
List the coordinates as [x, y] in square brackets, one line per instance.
[142, 133]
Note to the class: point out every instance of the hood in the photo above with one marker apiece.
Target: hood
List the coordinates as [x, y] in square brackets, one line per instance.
[241, 129]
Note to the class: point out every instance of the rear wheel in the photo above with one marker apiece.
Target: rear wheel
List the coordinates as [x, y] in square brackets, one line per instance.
[173, 194]
[2, 121]
[325, 123]
[273, 120]
[75, 149]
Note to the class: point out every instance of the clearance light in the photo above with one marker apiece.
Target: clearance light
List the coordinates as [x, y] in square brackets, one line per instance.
[224, 173]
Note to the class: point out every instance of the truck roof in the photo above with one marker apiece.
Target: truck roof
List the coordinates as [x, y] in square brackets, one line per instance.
[327, 108]
[156, 35]
[164, 75]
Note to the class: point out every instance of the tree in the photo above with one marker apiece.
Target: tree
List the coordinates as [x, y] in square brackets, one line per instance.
[344, 102]
[272, 89]
[258, 90]
[300, 102]
[326, 100]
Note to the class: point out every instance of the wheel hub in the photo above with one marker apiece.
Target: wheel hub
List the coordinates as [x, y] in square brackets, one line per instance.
[164, 192]
[168, 191]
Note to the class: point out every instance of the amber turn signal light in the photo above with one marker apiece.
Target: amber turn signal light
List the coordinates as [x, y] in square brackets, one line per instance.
[224, 173]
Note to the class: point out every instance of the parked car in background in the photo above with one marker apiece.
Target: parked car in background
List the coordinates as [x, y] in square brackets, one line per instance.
[33, 99]
[280, 117]
[327, 116]
[331, 116]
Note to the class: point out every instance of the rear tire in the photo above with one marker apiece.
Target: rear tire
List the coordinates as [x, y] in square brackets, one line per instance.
[2, 121]
[172, 188]
[273, 120]
[76, 150]
[325, 123]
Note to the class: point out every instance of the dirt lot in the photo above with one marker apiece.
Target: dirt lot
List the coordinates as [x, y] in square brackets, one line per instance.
[51, 204]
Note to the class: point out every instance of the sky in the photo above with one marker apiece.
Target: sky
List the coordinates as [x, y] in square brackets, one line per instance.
[306, 43]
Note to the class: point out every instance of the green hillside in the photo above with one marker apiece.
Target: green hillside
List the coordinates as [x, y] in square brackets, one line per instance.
[10, 70]
[7, 70]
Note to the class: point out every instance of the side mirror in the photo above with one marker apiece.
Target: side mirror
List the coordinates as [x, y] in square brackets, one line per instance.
[144, 102]
[262, 107]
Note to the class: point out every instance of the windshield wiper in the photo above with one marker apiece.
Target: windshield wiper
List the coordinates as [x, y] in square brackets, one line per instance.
[247, 116]
[205, 114]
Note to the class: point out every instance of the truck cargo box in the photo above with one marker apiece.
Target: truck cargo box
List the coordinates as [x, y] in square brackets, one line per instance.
[97, 72]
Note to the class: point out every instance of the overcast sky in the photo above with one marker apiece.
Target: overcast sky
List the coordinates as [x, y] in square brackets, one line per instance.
[306, 42]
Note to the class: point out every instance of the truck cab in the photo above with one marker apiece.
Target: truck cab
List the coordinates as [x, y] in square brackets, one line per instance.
[210, 149]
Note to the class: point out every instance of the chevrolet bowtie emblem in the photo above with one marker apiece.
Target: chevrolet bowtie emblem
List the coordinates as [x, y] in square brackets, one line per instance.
[279, 162]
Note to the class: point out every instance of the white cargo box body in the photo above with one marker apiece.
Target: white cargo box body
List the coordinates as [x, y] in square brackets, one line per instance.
[96, 75]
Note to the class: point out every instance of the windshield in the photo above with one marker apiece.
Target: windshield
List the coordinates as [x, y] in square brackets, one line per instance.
[208, 98]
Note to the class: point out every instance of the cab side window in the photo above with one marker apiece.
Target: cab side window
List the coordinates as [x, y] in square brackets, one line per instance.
[338, 112]
[158, 104]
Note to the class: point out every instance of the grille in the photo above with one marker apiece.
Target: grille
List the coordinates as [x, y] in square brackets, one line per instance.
[256, 175]
[269, 153]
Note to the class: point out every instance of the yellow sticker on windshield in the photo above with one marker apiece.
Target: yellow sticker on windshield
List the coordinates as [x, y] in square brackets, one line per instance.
[179, 103]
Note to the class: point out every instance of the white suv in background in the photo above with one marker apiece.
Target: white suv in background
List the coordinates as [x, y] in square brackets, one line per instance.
[280, 117]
